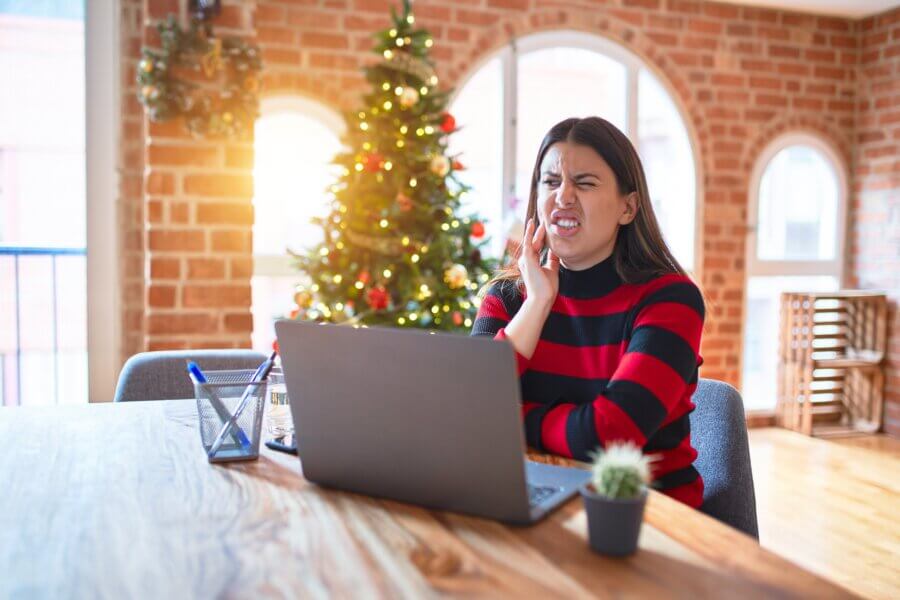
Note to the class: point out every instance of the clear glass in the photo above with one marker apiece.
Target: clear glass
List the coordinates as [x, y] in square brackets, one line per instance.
[292, 174]
[761, 329]
[42, 203]
[478, 110]
[278, 407]
[272, 298]
[798, 202]
[557, 83]
[665, 152]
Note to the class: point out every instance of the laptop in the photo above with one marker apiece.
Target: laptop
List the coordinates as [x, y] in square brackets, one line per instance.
[432, 419]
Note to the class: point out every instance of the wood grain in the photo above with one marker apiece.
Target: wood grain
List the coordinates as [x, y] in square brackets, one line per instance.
[831, 506]
[118, 501]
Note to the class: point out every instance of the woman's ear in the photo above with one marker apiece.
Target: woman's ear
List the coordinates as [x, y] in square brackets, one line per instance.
[631, 208]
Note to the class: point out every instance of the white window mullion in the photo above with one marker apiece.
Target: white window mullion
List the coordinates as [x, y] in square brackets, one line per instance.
[631, 103]
[510, 111]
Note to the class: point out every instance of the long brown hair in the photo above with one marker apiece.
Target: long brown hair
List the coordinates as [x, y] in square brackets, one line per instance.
[640, 252]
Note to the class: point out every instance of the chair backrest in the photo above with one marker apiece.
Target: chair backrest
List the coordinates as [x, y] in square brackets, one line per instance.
[163, 375]
[719, 433]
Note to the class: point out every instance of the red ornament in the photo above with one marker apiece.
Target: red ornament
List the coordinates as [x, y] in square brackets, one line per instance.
[364, 277]
[458, 166]
[377, 298]
[477, 229]
[448, 124]
[457, 318]
[372, 162]
[404, 202]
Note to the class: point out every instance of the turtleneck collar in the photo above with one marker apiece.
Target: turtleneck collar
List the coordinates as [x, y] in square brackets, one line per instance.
[592, 282]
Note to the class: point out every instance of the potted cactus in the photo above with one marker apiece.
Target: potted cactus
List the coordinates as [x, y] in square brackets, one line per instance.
[614, 498]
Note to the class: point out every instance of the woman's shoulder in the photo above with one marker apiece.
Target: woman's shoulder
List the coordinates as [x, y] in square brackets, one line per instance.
[507, 291]
[671, 287]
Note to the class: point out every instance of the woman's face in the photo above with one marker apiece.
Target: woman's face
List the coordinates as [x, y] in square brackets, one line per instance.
[579, 203]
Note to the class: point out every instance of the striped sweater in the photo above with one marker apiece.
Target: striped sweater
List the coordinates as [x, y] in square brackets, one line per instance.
[615, 361]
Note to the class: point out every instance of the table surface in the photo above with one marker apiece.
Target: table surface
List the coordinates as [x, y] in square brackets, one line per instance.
[118, 500]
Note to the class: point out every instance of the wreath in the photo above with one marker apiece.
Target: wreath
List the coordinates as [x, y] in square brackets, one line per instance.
[213, 83]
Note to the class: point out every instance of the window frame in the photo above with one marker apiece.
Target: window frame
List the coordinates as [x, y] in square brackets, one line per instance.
[755, 267]
[835, 267]
[281, 265]
[102, 114]
[633, 63]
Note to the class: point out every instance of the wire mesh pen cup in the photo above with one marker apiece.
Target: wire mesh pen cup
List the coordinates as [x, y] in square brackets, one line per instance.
[217, 400]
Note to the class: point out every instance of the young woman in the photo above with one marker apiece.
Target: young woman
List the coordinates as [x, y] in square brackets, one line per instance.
[605, 323]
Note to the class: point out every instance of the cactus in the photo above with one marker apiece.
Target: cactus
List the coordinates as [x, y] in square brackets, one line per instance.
[621, 471]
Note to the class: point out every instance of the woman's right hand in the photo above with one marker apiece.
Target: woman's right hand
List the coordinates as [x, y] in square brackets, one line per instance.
[541, 281]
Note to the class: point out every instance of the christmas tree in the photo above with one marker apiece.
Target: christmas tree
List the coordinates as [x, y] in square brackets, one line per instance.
[396, 251]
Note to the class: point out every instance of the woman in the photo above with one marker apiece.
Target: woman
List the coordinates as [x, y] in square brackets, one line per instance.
[605, 323]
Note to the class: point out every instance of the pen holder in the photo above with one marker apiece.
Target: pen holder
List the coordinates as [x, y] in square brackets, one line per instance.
[217, 400]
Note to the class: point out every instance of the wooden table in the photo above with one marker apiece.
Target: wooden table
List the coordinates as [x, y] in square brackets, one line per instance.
[119, 501]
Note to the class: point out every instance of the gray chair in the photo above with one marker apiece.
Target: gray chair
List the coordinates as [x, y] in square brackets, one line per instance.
[163, 375]
[719, 433]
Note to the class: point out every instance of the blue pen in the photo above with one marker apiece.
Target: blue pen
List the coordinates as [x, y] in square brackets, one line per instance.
[197, 376]
[258, 377]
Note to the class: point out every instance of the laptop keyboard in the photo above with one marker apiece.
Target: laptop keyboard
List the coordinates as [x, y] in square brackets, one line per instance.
[539, 493]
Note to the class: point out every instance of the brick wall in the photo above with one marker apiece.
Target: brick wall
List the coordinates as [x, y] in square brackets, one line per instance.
[131, 181]
[875, 231]
[742, 76]
[197, 218]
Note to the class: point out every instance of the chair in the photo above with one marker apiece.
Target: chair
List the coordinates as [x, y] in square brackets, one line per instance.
[719, 434]
[163, 376]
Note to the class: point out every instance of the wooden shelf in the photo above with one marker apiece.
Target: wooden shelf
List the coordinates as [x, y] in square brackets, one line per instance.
[831, 354]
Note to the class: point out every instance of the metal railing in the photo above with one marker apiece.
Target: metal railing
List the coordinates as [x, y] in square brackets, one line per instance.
[17, 252]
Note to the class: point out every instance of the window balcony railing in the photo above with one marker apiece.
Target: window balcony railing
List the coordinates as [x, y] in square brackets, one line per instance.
[43, 325]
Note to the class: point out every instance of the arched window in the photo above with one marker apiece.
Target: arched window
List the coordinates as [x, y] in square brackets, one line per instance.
[512, 99]
[295, 141]
[797, 210]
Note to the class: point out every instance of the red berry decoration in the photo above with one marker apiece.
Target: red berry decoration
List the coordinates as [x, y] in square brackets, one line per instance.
[377, 298]
[448, 124]
[372, 162]
[275, 345]
[404, 202]
[365, 277]
[477, 229]
[457, 318]
[458, 166]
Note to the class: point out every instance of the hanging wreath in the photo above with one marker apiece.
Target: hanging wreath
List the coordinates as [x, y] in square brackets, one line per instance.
[213, 83]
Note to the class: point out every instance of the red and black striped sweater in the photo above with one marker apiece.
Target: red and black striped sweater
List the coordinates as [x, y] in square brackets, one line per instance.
[615, 361]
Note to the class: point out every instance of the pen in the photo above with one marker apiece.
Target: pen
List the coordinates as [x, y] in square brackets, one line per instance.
[197, 376]
[258, 377]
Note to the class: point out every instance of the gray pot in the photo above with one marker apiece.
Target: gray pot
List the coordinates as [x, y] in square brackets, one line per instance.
[613, 525]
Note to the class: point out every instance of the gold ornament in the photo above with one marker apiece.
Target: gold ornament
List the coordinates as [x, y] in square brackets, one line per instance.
[149, 92]
[146, 65]
[440, 165]
[227, 117]
[303, 299]
[212, 60]
[456, 277]
[409, 97]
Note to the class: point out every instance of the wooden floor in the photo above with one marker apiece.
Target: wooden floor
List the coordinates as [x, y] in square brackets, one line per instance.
[831, 506]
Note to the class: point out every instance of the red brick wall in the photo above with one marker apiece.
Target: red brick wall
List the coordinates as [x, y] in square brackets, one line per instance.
[131, 181]
[741, 75]
[875, 232]
[197, 213]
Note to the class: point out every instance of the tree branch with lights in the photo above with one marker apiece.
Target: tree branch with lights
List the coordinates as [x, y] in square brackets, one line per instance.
[396, 251]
